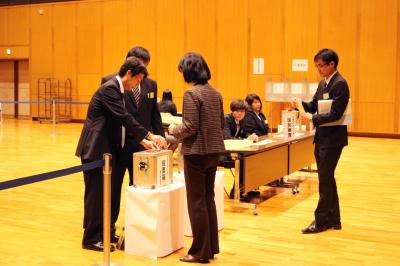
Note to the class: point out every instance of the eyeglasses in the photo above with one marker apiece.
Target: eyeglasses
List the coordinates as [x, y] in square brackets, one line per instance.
[320, 65]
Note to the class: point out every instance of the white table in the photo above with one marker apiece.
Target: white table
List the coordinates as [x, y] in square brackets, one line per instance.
[154, 220]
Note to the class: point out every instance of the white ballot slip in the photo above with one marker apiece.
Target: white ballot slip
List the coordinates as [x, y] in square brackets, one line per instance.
[299, 105]
[324, 106]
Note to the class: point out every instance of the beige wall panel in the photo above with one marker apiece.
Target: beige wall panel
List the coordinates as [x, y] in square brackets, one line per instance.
[301, 37]
[64, 24]
[18, 25]
[338, 28]
[3, 26]
[142, 22]
[114, 35]
[378, 51]
[231, 45]
[170, 45]
[41, 39]
[376, 117]
[89, 38]
[200, 31]
[266, 41]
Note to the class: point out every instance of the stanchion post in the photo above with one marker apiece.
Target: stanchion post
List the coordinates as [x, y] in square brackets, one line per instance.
[107, 169]
[53, 117]
[106, 206]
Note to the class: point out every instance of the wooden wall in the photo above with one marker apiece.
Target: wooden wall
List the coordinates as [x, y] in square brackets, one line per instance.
[85, 40]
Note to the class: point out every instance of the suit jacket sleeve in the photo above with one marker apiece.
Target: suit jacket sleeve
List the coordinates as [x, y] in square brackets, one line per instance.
[312, 107]
[250, 126]
[156, 122]
[227, 128]
[190, 123]
[113, 102]
[340, 98]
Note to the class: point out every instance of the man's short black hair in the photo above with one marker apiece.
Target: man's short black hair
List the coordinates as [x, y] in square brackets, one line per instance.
[194, 68]
[327, 56]
[250, 99]
[134, 65]
[238, 105]
[139, 52]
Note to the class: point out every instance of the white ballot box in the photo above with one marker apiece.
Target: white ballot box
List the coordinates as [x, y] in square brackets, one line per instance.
[219, 201]
[154, 220]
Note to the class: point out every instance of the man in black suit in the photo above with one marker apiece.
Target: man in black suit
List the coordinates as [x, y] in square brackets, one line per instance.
[141, 103]
[102, 133]
[329, 140]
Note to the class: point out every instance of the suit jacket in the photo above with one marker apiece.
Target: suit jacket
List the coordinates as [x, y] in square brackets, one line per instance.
[252, 124]
[147, 113]
[338, 90]
[106, 114]
[231, 128]
[203, 121]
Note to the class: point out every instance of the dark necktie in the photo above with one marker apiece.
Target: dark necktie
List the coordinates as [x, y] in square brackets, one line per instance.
[237, 131]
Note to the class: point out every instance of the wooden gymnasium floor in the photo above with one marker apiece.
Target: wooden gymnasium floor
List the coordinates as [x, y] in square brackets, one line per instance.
[41, 224]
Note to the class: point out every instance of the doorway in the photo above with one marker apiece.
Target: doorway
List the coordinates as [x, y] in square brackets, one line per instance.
[14, 86]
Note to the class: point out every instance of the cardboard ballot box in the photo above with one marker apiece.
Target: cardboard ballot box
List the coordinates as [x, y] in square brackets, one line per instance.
[152, 169]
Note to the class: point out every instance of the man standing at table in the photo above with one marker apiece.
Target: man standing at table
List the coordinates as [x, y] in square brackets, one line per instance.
[102, 133]
[329, 140]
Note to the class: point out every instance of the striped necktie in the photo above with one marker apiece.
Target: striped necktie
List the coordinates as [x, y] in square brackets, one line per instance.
[136, 95]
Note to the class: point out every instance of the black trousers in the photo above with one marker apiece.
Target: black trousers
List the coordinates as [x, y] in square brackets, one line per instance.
[93, 205]
[122, 160]
[199, 178]
[328, 210]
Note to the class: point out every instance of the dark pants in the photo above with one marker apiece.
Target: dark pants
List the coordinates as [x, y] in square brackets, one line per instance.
[93, 206]
[122, 160]
[328, 210]
[199, 178]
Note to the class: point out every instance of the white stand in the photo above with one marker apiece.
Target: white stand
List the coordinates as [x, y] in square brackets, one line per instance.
[219, 201]
[154, 220]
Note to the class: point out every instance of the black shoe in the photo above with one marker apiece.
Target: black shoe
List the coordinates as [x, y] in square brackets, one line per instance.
[314, 229]
[336, 226]
[97, 246]
[190, 258]
[253, 193]
[114, 239]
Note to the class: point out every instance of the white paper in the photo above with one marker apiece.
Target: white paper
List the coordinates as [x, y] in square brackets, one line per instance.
[296, 88]
[324, 106]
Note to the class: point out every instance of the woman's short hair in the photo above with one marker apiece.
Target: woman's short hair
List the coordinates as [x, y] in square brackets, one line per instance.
[194, 68]
[250, 99]
[134, 65]
[238, 105]
[167, 95]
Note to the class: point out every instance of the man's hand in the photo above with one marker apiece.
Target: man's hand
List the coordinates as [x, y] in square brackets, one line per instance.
[149, 145]
[159, 140]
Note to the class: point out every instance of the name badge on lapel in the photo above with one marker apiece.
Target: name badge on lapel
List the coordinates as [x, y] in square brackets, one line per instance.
[325, 96]
[150, 95]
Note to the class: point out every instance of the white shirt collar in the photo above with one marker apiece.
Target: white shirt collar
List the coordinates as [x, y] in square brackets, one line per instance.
[121, 86]
[330, 77]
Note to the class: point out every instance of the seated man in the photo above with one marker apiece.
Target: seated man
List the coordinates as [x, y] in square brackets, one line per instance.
[234, 130]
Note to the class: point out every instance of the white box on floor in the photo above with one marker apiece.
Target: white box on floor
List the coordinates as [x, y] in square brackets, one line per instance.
[154, 220]
[219, 200]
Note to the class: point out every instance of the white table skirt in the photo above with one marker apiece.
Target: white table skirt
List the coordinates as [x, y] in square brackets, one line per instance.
[154, 220]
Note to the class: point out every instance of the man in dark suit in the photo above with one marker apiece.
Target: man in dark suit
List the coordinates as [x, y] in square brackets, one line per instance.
[329, 140]
[102, 133]
[141, 103]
